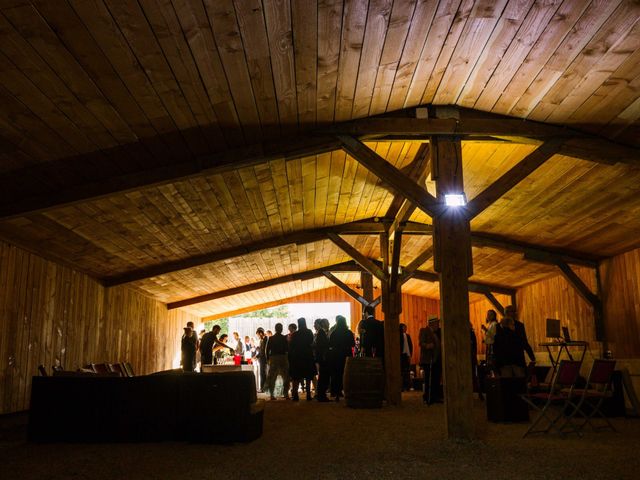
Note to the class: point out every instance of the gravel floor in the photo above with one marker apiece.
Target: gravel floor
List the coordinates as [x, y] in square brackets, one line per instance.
[329, 441]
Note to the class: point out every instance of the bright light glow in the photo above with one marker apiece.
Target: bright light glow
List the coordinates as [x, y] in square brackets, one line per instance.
[455, 200]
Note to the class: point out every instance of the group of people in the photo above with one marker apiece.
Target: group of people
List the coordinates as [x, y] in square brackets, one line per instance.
[209, 346]
[506, 342]
[303, 357]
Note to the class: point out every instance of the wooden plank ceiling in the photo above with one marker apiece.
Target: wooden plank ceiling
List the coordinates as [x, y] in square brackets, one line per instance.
[95, 88]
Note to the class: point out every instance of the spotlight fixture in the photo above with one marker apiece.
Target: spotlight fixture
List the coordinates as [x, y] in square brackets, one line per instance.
[455, 199]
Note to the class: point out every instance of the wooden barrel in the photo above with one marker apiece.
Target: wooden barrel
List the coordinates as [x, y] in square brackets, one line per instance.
[363, 382]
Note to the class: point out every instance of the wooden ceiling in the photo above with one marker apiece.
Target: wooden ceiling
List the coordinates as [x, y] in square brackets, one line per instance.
[94, 89]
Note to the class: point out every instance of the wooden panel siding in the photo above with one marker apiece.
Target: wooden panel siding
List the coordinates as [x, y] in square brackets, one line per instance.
[51, 314]
[621, 294]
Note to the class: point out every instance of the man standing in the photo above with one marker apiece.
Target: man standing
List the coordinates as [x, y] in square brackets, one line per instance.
[277, 349]
[512, 312]
[261, 358]
[406, 350]
[210, 343]
[431, 361]
[371, 333]
[188, 347]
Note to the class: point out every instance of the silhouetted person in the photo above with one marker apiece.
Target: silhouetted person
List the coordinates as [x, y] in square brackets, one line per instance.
[188, 348]
[489, 336]
[209, 339]
[431, 361]
[511, 312]
[321, 352]
[261, 357]
[406, 350]
[341, 343]
[509, 349]
[301, 362]
[474, 363]
[371, 333]
[277, 349]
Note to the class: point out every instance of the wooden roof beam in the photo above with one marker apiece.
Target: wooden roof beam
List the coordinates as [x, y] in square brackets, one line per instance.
[368, 226]
[346, 288]
[308, 275]
[401, 124]
[512, 177]
[391, 175]
[475, 287]
[534, 253]
[365, 262]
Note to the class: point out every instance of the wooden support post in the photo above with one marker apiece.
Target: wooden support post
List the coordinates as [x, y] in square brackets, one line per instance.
[453, 262]
[601, 329]
[391, 308]
[366, 281]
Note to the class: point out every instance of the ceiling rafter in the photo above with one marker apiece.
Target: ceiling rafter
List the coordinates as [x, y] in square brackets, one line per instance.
[350, 266]
[400, 124]
[298, 238]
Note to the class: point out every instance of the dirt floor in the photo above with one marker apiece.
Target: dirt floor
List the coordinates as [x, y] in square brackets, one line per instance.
[309, 440]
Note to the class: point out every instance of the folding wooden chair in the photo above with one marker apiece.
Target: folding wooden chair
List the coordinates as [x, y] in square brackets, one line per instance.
[129, 369]
[560, 394]
[117, 368]
[596, 391]
[101, 368]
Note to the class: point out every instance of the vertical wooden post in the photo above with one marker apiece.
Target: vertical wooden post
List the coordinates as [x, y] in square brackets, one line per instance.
[598, 313]
[452, 261]
[366, 281]
[391, 308]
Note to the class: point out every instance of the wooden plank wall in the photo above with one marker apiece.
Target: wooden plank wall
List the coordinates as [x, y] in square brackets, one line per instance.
[621, 284]
[554, 297]
[53, 314]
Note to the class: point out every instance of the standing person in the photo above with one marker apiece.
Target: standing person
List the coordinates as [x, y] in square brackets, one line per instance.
[341, 342]
[261, 358]
[406, 350]
[211, 343]
[301, 361]
[489, 336]
[509, 350]
[511, 312]
[431, 361]
[221, 347]
[277, 349]
[371, 334]
[209, 339]
[474, 363]
[188, 347]
[320, 352]
[238, 351]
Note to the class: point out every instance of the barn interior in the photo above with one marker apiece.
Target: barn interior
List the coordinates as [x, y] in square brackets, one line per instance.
[166, 161]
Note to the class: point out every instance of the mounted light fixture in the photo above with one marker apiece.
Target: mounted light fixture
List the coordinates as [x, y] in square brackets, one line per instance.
[399, 269]
[455, 199]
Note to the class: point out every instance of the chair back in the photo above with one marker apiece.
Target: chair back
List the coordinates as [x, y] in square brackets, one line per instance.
[601, 372]
[101, 368]
[128, 368]
[568, 373]
[117, 368]
[42, 371]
